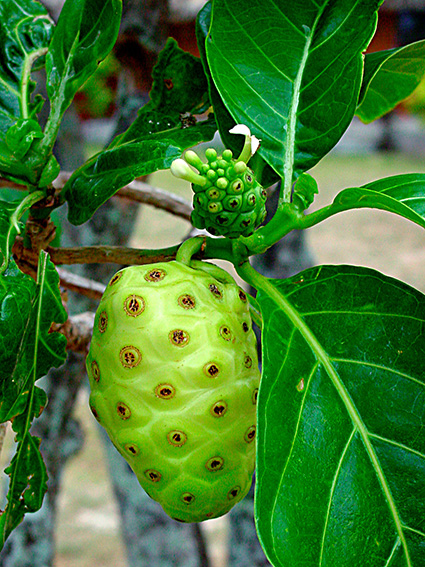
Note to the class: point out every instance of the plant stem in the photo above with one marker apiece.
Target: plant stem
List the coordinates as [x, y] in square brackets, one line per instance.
[287, 218]
[23, 207]
[26, 77]
[189, 248]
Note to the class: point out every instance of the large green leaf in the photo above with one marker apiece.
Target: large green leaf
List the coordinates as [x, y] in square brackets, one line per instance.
[104, 174]
[85, 33]
[264, 174]
[224, 119]
[27, 348]
[157, 136]
[403, 195]
[27, 351]
[389, 77]
[291, 71]
[25, 33]
[179, 89]
[341, 437]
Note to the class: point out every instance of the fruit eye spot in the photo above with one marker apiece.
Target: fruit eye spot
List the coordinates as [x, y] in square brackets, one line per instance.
[215, 207]
[247, 361]
[222, 220]
[103, 322]
[215, 291]
[226, 333]
[123, 411]
[187, 301]
[115, 278]
[155, 275]
[130, 356]
[165, 391]
[134, 305]
[213, 194]
[132, 449]
[242, 295]
[219, 409]
[211, 369]
[251, 200]
[94, 412]
[95, 371]
[250, 434]
[177, 438]
[255, 396]
[245, 327]
[215, 464]
[233, 493]
[248, 178]
[264, 193]
[237, 186]
[152, 475]
[179, 338]
[187, 497]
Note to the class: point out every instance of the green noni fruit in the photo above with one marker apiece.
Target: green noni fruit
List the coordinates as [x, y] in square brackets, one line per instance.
[174, 377]
[228, 200]
[232, 202]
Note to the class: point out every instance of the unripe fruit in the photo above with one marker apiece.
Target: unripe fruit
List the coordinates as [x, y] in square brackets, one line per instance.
[231, 202]
[174, 377]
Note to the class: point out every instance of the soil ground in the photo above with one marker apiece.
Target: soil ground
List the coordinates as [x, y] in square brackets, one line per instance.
[88, 526]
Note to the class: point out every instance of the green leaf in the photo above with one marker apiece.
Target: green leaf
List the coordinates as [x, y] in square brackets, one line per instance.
[305, 188]
[179, 88]
[179, 83]
[341, 407]
[104, 174]
[403, 195]
[85, 33]
[28, 350]
[263, 173]
[291, 71]
[224, 119]
[28, 482]
[390, 76]
[153, 140]
[25, 34]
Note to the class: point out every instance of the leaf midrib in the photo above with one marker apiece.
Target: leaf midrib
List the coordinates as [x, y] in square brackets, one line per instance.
[323, 358]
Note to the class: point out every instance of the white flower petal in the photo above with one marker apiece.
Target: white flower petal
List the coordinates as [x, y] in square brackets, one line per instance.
[255, 144]
[240, 129]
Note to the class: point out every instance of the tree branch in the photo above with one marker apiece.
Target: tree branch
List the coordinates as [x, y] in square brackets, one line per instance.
[138, 191]
[84, 286]
[78, 330]
[142, 192]
[93, 255]
[145, 193]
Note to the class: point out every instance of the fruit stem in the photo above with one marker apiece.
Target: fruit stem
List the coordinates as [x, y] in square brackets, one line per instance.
[189, 248]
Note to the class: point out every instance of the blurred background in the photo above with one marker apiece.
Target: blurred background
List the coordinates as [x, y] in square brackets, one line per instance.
[87, 522]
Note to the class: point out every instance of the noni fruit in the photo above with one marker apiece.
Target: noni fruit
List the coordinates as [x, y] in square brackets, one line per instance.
[174, 377]
[228, 200]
